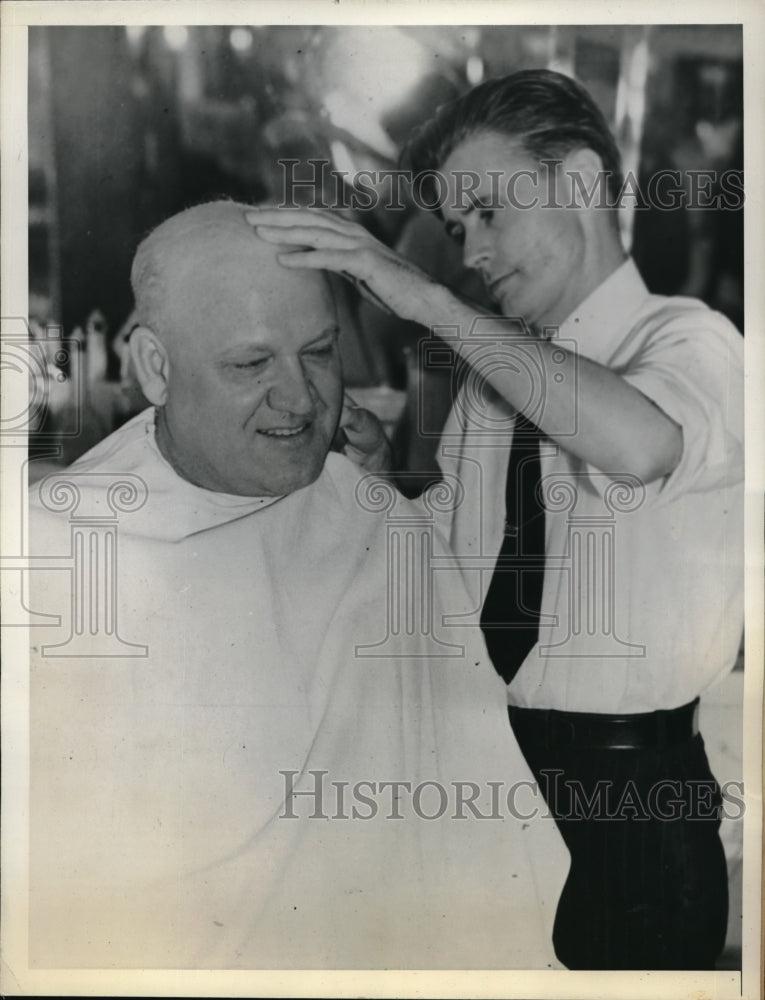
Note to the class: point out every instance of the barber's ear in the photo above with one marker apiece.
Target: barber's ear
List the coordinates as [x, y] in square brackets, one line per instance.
[150, 363]
[587, 167]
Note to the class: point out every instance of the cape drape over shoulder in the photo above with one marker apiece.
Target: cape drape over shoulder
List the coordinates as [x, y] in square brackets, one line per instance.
[213, 731]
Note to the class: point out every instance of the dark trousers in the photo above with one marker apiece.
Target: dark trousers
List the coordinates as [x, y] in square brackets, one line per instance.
[647, 887]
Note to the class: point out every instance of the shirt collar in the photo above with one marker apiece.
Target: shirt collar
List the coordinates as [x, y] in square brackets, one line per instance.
[599, 324]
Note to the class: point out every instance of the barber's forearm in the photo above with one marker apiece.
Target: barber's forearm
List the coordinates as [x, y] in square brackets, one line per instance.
[618, 429]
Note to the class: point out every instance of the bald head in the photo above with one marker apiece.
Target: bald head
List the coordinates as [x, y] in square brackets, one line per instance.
[191, 253]
[238, 353]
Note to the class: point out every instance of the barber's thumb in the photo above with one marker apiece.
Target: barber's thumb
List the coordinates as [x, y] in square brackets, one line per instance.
[355, 418]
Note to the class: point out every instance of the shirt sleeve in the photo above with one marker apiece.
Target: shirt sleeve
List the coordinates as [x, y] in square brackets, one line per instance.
[692, 369]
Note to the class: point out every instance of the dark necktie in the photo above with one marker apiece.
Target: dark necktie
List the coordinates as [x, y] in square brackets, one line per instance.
[511, 611]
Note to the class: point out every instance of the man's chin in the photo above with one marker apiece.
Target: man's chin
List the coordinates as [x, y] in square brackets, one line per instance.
[288, 480]
[306, 478]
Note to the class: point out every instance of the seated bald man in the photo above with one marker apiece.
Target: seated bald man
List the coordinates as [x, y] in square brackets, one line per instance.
[241, 756]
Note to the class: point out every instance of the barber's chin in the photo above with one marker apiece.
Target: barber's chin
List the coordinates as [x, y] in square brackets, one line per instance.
[521, 308]
[506, 303]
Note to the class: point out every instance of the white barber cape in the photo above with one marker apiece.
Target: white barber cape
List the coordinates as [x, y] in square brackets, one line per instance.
[163, 831]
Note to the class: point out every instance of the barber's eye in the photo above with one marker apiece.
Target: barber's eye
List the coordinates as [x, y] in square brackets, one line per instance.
[456, 232]
[486, 214]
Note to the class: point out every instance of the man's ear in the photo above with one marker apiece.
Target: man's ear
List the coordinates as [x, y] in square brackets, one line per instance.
[585, 165]
[150, 363]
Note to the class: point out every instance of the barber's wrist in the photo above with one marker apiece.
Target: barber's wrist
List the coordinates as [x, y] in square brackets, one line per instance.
[434, 305]
[378, 460]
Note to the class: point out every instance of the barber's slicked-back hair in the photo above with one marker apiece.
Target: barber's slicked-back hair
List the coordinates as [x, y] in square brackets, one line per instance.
[548, 113]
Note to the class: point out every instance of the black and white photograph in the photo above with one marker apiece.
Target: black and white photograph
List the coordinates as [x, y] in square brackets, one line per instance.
[382, 486]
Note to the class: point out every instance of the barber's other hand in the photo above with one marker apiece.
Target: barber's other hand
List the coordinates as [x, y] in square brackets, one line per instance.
[380, 274]
[366, 443]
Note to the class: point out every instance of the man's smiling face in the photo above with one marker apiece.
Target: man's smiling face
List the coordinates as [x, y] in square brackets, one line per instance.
[255, 383]
[531, 259]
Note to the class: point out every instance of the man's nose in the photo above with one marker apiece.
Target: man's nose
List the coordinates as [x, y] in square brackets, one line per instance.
[292, 392]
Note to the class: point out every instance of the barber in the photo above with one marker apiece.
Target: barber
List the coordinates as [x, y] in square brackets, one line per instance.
[633, 402]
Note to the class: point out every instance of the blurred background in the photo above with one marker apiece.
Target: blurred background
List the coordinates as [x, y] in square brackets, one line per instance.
[129, 125]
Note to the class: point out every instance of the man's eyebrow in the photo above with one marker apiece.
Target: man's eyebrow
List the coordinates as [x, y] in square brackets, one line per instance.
[329, 331]
[243, 347]
[248, 348]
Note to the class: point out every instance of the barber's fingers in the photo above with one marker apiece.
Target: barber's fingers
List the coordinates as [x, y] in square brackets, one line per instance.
[349, 405]
[361, 425]
[310, 236]
[317, 260]
[351, 415]
[366, 443]
[359, 422]
[350, 264]
[287, 218]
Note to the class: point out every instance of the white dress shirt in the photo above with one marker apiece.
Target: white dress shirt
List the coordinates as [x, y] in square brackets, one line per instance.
[642, 606]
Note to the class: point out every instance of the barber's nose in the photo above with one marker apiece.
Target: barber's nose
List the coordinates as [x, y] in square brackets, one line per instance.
[476, 253]
[292, 392]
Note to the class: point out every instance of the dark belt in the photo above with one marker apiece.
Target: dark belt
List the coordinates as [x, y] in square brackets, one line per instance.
[550, 728]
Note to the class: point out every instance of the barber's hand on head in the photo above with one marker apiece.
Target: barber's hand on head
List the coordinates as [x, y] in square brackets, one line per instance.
[380, 274]
[365, 440]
